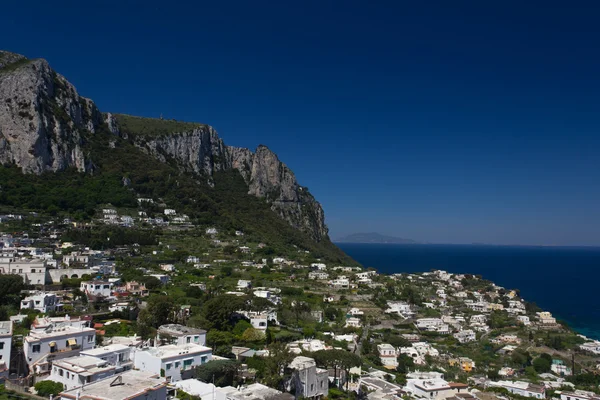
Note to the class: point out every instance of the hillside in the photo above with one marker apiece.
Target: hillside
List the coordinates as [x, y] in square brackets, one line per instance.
[61, 154]
[373, 237]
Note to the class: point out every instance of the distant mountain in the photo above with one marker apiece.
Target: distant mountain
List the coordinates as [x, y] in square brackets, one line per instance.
[373, 237]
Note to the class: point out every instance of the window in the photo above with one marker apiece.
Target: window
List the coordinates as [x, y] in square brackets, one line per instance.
[188, 363]
[20, 271]
[1, 345]
[177, 364]
[122, 357]
[196, 338]
[35, 348]
[169, 365]
[106, 287]
[37, 302]
[33, 270]
[68, 374]
[203, 359]
[312, 387]
[61, 372]
[188, 339]
[90, 338]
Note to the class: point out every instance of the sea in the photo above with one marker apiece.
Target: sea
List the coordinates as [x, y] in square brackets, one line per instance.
[562, 280]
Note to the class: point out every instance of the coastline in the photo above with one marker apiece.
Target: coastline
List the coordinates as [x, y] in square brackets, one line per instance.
[538, 272]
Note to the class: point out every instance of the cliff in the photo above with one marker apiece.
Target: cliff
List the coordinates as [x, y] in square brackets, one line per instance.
[45, 124]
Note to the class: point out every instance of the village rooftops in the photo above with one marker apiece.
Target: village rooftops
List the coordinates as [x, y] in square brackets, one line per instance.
[302, 362]
[179, 330]
[130, 384]
[84, 365]
[381, 385]
[172, 350]
[431, 385]
[5, 328]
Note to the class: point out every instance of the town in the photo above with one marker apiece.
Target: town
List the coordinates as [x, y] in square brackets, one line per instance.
[142, 304]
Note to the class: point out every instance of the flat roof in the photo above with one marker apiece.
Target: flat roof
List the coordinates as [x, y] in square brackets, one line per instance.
[179, 330]
[129, 384]
[111, 348]
[5, 327]
[56, 332]
[173, 350]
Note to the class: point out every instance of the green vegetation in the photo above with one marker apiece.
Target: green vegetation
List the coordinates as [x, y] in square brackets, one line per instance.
[152, 127]
[47, 388]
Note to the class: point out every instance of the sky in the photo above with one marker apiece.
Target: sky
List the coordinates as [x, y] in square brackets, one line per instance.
[439, 121]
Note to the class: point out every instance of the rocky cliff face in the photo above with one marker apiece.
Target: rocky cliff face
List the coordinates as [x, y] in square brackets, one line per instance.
[42, 117]
[43, 120]
[202, 151]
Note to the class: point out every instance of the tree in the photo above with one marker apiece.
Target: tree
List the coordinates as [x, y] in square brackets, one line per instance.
[223, 372]
[240, 327]
[218, 312]
[159, 311]
[542, 363]
[252, 335]
[10, 288]
[47, 388]
[151, 282]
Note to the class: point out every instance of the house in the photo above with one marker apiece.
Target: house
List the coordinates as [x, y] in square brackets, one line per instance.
[211, 231]
[164, 279]
[506, 372]
[76, 257]
[97, 288]
[41, 324]
[174, 361]
[429, 323]
[170, 211]
[522, 388]
[244, 284]
[130, 385]
[181, 335]
[308, 381]
[42, 301]
[136, 289]
[192, 260]
[167, 267]
[319, 266]
[307, 345]
[33, 272]
[523, 319]
[464, 363]
[399, 307]
[379, 388]
[559, 368]
[74, 372]
[353, 322]
[318, 275]
[388, 355]
[465, 336]
[592, 347]
[260, 319]
[579, 395]
[342, 282]
[356, 312]
[546, 318]
[5, 346]
[41, 347]
[433, 388]
[118, 355]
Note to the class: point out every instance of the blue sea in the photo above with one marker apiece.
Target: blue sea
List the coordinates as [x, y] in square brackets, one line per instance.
[562, 280]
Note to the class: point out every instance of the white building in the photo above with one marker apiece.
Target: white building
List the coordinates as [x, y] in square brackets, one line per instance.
[181, 335]
[130, 385]
[41, 324]
[5, 346]
[170, 211]
[399, 307]
[41, 301]
[308, 380]
[97, 288]
[353, 322]
[388, 355]
[41, 347]
[341, 282]
[244, 284]
[118, 355]
[523, 319]
[522, 388]
[176, 361]
[320, 275]
[465, 336]
[546, 318]
[33, 272]
[74, 372]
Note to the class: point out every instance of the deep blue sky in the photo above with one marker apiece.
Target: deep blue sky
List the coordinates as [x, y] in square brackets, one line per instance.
[441, 121]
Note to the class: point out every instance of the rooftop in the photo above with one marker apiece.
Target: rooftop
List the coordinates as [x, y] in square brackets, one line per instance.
[123, 386]
[173, 350]
[5, 327]
[84, 365]
[111, 348]
[179, 330]
[56, 332]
